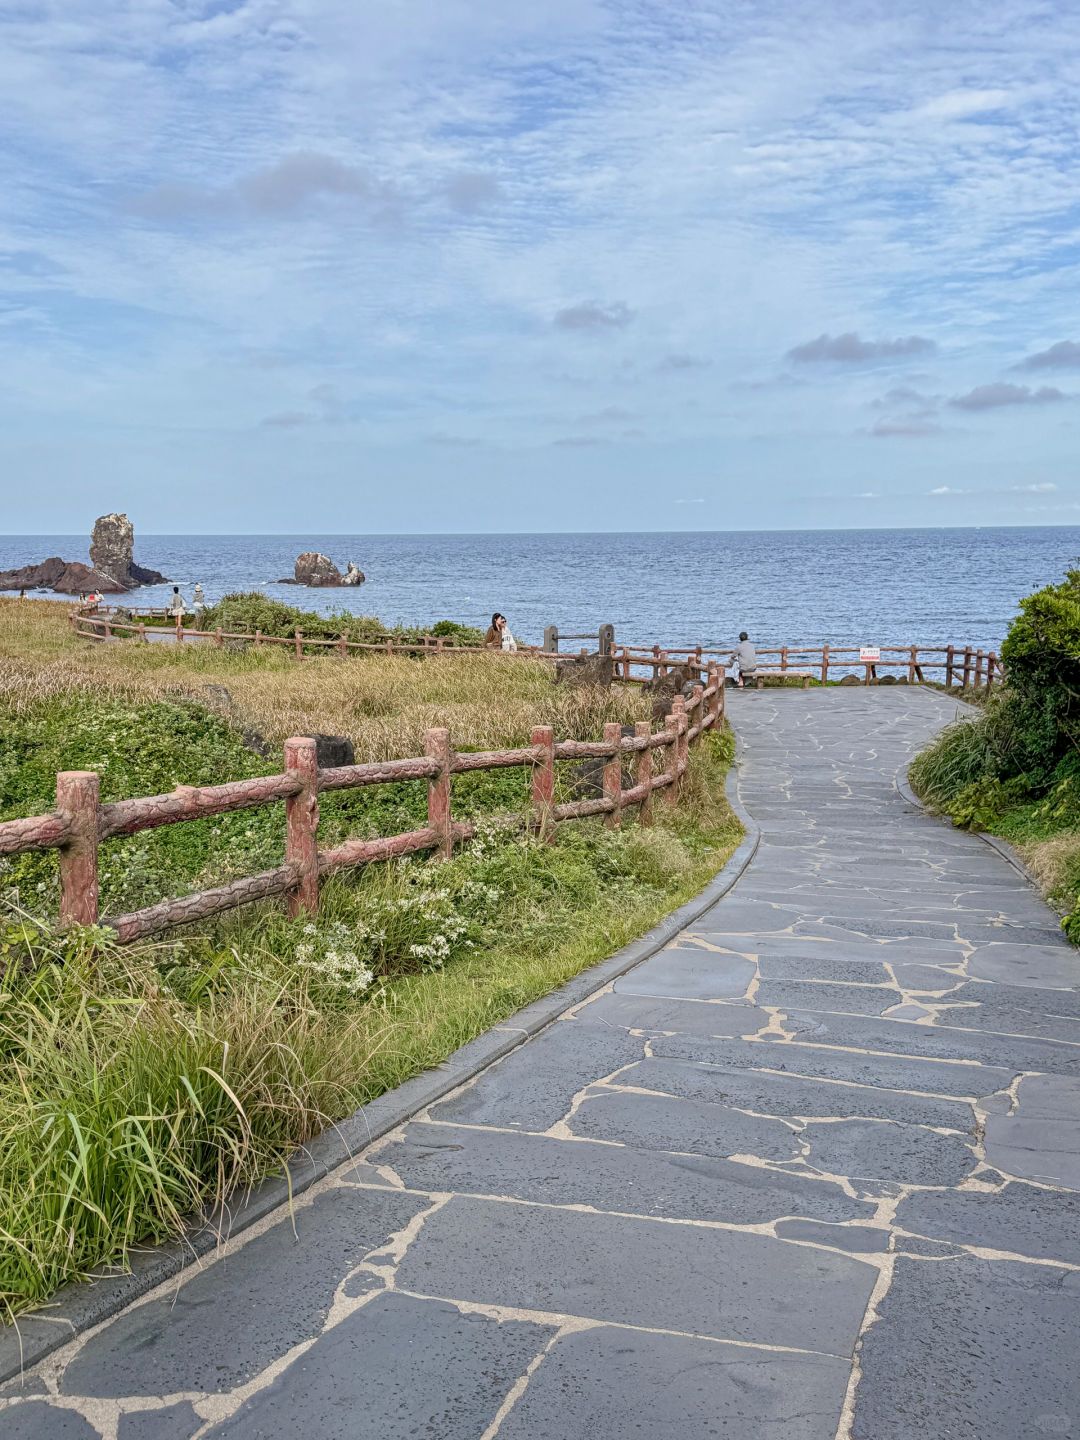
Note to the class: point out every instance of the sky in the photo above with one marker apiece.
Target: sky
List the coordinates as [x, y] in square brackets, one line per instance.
[350, 266]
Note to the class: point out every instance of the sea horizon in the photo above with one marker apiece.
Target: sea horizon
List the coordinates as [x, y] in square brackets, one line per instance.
[909, 585]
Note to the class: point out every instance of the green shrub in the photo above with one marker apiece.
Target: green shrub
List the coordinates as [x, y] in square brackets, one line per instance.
[251, 610]
[1041, 655]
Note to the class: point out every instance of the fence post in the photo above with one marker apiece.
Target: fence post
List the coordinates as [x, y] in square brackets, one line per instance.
[613, 773]
[967, 667]
[551, 639]
[302, 824]
[543, 780]
[950, 655]
[258, 638]
[219, 639]
[697, 701]
[298, 643]
[978, 668]
[991, 666]
[77, 799]
[722, 677]
[912, 665]
[437, 747]
[783, 658]
[671, 793]
[682, 750]
[656, 662]
[142, 635]
[643, 773]
[824, 664]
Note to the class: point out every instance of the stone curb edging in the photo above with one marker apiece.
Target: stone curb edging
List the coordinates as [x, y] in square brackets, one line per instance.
[79, 1307]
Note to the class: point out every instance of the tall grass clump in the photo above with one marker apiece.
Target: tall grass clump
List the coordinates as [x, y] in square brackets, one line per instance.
[1015, 769]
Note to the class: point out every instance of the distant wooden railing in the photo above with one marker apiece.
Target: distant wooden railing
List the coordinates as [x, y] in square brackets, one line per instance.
[81, 822]
[963, 665]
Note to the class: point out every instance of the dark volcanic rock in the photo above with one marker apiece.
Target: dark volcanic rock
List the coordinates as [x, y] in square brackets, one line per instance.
[332, 750]
[596, 670]
[65, 577]
[112, 546]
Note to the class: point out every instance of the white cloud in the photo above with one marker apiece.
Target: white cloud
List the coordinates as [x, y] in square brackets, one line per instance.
[1001, 395]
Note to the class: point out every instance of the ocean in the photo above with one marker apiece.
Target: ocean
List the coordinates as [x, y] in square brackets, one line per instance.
[795, 587]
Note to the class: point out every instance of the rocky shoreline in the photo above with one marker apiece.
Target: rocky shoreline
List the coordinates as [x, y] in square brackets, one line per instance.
[112, 569]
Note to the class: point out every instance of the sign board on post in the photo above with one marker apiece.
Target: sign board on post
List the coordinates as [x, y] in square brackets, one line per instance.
[869, 654]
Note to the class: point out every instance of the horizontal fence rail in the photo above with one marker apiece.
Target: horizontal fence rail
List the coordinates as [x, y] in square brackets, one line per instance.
[961, 666]
[80, 822]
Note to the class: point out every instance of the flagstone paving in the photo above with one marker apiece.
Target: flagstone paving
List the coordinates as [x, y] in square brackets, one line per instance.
[812, 1171]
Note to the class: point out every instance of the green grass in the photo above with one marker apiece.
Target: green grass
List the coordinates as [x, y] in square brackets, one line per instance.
[142, 1086]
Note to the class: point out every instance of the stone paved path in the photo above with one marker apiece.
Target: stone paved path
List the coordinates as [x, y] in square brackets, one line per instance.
[810, 1172]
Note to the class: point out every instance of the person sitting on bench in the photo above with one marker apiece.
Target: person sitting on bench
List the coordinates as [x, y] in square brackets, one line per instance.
[745, 658]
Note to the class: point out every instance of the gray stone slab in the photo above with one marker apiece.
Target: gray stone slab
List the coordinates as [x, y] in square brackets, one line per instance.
[856, 1239]
[809, 995]
[660, 1122]
[1019, 1220]
[274, 1291]
[877, 1150]
[1043, 966]
[396, 1369]
[972, 1350]
[656, 1015]
[171, 1422]
[941, 1042]
[896, 1072]
[788, 1095]
[533, 1087]
[608, 1177]
[38, 1420]
[731, 1285]
[823, 967]
[733, 916]
[1040, 1139]
[690, 972]
[611, 1384]
[996, 996]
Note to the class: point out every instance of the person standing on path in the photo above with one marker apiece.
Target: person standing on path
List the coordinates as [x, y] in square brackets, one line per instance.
[745, 658]
[177, 606]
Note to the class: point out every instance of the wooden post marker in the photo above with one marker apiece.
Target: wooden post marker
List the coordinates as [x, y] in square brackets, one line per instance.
[77, 799]
[437, 747]
[543, 780]
[302, 824]
[613, 773]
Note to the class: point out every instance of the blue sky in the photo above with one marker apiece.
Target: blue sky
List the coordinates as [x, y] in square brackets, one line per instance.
[458, 265]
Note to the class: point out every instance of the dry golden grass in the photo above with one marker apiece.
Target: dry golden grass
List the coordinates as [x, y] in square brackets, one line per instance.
[1053, 862]
[384, 703]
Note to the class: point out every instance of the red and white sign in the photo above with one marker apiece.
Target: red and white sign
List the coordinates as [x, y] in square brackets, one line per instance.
[869, 654]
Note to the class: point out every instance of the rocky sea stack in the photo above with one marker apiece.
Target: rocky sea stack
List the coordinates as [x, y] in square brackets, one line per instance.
[320, 572]
[112, 570]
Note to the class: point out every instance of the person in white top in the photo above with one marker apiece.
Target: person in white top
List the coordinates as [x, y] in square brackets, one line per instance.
[498, 635]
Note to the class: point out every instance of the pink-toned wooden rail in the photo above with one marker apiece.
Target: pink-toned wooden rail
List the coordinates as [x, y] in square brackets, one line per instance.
[81, 822]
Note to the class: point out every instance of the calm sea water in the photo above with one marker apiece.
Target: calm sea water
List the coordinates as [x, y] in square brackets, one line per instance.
[794, 587]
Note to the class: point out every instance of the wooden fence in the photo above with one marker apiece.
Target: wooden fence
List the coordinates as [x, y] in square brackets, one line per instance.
[955, 665]
[81, 822]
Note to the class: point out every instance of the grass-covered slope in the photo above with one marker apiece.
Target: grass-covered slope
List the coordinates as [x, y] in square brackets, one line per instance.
[140, 1085]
